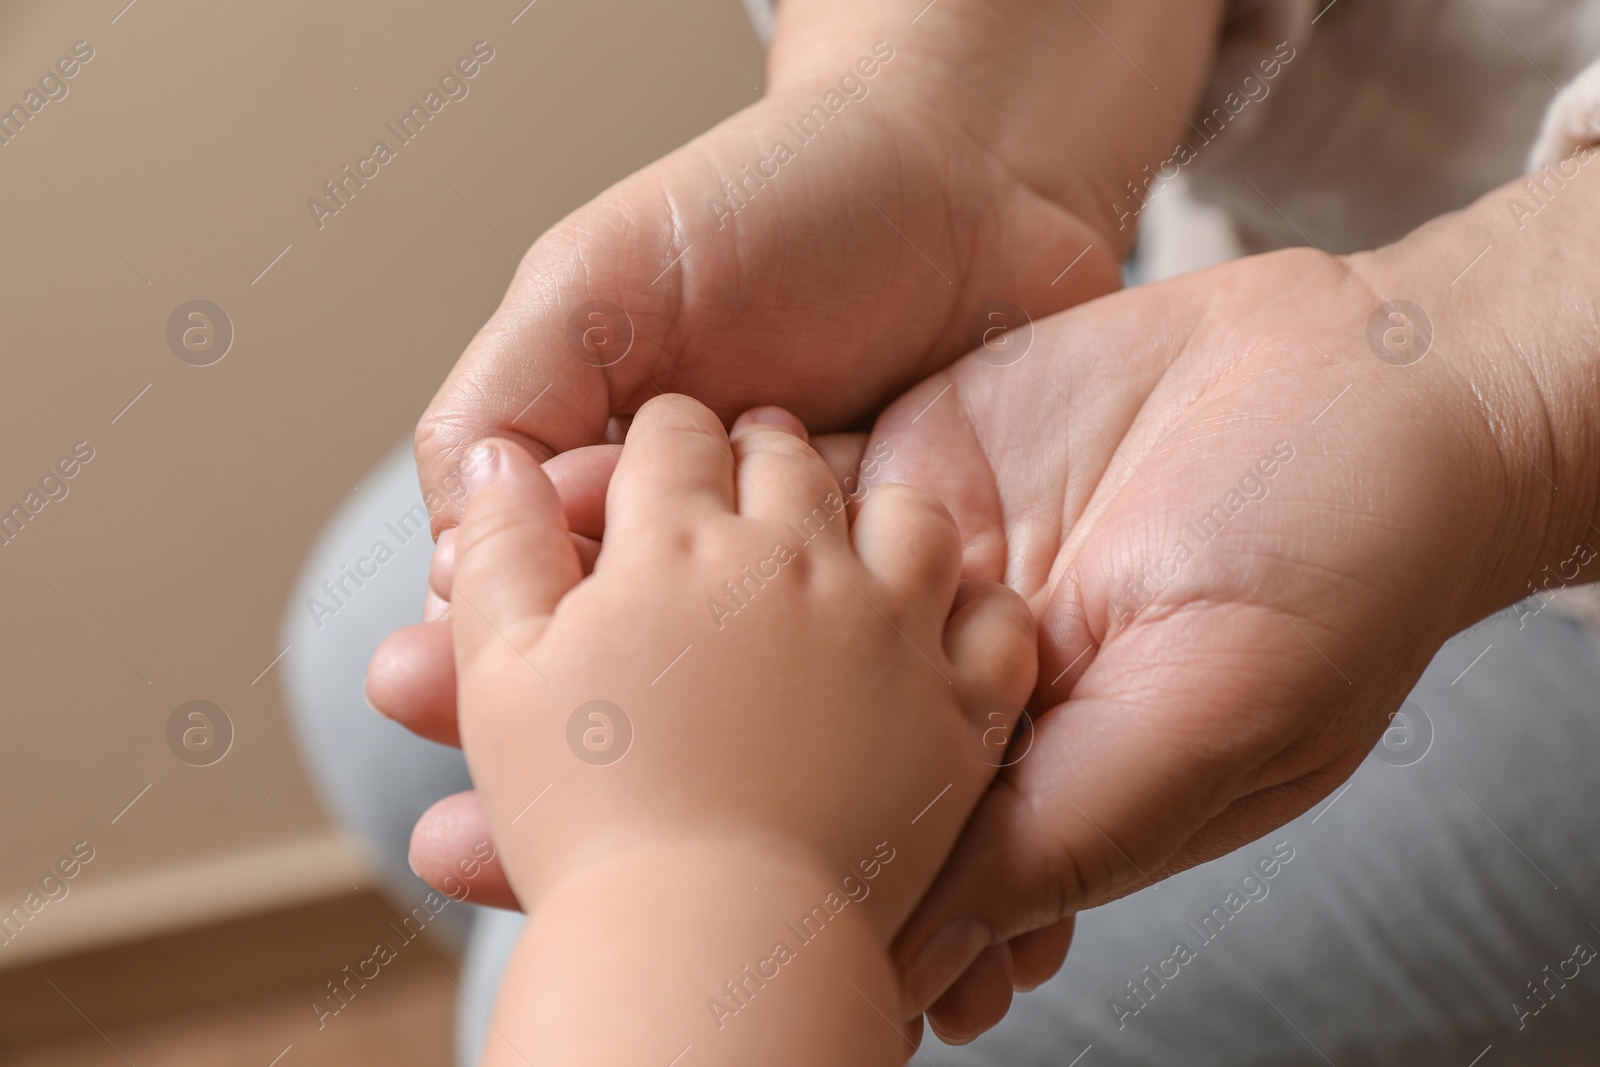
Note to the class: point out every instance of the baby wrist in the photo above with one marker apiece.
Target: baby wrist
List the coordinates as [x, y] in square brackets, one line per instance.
[658, 950]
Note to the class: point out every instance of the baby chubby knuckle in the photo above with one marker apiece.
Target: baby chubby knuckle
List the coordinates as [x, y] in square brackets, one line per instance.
[1015, 667]
[922, 519]
[913, 501]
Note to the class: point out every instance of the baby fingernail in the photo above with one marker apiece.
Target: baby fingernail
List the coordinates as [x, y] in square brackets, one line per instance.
[773, 418]
[943, 959]
[481, 466]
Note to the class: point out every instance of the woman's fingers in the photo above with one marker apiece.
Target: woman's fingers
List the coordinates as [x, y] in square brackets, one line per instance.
[411, 678]
[451, 850]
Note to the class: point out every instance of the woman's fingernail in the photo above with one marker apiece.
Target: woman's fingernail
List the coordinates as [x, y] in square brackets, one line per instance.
[943, 958]
[956, 1040]
[481, 466]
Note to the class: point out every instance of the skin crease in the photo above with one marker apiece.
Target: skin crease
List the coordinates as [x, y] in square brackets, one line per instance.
[911, 651]
[1191, 381]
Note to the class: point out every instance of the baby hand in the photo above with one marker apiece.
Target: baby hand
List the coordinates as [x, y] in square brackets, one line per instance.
[754, 694]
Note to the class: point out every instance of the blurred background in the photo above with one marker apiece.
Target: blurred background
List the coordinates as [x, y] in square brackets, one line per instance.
[218, 365]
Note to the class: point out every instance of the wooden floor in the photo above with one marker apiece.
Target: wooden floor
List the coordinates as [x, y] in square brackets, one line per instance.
[237, 995]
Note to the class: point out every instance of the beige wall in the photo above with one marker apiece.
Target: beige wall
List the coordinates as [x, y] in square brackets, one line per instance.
[187, 148]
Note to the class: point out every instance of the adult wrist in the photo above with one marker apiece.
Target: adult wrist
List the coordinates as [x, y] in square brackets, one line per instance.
[1016, 81]
[1508, 288]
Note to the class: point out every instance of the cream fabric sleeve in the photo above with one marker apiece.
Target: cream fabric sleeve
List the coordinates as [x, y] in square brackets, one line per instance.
[1251, 23]
[1572, 122]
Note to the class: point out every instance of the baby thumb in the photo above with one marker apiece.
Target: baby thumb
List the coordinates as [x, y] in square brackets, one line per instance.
[514, 558]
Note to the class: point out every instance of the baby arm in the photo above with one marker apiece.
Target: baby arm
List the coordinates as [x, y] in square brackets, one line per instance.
[723, 768]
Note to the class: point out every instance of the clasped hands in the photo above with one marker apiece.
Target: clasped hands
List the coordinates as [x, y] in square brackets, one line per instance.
[1241, 528]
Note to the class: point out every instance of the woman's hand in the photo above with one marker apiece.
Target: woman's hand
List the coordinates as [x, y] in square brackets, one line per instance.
[931, 161]
[1248, 507]
[969, 167]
